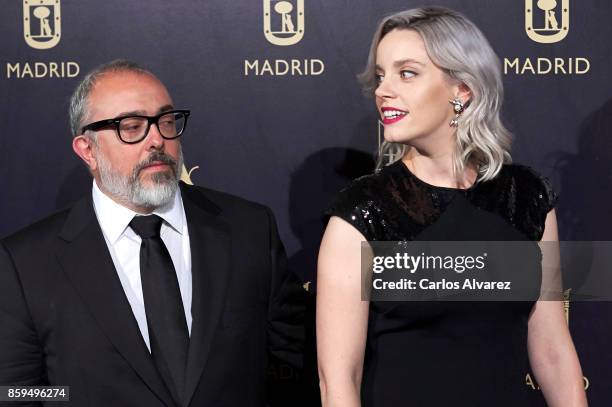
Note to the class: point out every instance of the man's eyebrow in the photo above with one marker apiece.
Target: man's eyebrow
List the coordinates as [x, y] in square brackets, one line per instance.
[162, 109]
[132, 113]
[165, 108]
[401, 62]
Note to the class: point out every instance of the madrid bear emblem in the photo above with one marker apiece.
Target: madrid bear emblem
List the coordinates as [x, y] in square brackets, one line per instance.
[548, 22]
[42, 23]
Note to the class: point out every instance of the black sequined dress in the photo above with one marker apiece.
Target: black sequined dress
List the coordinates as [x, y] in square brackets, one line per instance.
[447, 353]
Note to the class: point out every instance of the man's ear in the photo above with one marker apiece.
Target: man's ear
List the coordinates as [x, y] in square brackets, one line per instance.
[83, 147]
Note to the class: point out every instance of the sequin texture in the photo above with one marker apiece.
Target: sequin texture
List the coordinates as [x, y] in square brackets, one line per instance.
[393, 204]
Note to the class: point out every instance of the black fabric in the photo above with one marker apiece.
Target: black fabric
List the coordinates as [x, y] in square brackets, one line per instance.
[168, 332]
[65, 319]
[447, 353]
[393, 204]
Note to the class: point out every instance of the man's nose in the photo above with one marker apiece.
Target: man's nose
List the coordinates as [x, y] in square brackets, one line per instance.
[154, 139]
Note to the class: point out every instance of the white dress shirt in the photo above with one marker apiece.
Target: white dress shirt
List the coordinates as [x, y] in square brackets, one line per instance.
[124, 246]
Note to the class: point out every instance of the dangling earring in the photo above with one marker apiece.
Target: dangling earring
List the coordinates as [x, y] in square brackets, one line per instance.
[458, 108]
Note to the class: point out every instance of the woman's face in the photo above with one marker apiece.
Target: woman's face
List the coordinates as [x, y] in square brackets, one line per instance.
[413, 94]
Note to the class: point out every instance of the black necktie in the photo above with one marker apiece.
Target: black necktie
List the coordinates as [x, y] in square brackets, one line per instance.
[168, 334]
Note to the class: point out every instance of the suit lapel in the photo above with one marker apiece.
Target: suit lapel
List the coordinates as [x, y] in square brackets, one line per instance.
[209, 239]
[84, 257]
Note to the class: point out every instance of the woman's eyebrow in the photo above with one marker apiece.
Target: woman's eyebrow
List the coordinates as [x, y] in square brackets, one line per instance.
[401, 62]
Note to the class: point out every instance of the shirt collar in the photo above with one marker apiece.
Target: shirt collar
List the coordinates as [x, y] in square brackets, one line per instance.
[114, 218]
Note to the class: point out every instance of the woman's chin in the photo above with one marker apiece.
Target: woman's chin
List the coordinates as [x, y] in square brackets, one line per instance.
[392, 137]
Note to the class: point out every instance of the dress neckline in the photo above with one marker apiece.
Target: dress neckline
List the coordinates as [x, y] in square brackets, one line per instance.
[410, 174]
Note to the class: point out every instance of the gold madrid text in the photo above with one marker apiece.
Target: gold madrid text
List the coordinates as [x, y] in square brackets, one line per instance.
[282, 67]
[547, 66]
[39, 70]
[530, 381]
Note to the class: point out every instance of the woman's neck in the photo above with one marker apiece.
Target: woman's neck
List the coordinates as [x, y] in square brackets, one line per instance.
[437, 169]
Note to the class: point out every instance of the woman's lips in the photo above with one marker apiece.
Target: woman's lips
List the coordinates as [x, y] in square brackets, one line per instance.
[393, 120]
[392, 115]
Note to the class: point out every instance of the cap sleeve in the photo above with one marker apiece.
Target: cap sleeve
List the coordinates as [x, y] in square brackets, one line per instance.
[549, 196]
[355, 205]
[543, 197]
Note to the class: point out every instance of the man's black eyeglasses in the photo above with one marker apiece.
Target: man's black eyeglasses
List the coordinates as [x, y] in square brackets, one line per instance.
[133, 129]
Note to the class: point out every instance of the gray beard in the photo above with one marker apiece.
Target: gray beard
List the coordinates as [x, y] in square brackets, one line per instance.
[130, 189]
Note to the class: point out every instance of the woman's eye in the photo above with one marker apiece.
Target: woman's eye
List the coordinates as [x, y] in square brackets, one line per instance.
[407, 74]
[378, 78]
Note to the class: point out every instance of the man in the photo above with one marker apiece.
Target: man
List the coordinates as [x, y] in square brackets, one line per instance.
[147, 292]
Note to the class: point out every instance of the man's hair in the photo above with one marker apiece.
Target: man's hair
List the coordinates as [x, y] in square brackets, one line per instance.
[79, 108]
[460, 49]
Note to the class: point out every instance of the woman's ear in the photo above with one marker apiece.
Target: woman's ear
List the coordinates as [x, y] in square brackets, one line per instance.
[464, 93]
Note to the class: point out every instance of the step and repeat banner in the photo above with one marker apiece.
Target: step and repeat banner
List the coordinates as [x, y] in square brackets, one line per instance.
[278, 116]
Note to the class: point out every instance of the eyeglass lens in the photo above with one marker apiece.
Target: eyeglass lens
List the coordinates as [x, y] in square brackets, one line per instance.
[134, 128]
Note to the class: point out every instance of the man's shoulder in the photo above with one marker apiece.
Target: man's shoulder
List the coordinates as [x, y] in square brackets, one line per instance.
[222, 202]
[40, 231]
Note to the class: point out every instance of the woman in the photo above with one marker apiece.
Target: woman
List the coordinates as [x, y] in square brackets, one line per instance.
[444, 155]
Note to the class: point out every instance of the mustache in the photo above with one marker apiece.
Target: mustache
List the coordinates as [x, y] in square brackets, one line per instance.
[155, 157]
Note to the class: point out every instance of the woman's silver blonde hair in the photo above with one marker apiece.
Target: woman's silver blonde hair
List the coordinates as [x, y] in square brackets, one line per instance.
[460, 49]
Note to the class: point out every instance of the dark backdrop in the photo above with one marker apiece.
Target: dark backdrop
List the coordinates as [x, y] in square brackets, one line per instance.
[292, 140]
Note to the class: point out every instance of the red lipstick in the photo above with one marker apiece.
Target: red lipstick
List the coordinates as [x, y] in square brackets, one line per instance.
[391, 115]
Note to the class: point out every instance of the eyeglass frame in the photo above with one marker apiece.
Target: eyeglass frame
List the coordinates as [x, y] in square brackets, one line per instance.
[100, 124]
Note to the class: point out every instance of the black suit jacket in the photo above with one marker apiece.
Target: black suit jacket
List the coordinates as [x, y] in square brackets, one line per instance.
[65, 320]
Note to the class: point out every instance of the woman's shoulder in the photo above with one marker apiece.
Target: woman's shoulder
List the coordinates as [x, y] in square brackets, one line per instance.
[363, 191]
[525, 196]
[523, 172]
[529, 183]
[361, 201]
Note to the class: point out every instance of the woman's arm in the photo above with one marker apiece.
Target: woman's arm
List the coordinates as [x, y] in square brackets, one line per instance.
[341, 315]
[552, 354]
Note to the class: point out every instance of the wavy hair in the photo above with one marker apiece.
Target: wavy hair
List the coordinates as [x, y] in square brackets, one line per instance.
[463, 53]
